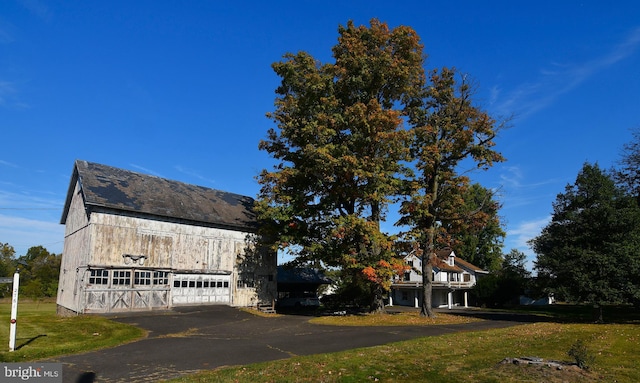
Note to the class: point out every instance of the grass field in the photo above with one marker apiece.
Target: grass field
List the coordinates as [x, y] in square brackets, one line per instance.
[471, 356]
[41, 333]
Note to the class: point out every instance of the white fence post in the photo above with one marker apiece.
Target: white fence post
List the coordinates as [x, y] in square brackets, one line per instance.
[14, 311]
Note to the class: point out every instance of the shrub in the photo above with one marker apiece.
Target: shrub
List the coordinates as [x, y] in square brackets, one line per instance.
[581, 354]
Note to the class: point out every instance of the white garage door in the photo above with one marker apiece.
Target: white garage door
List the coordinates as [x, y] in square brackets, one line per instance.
[201, 288]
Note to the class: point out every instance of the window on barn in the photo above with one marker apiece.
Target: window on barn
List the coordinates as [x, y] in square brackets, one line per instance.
[246, 280]
[122, 277]
[142, 278]
[160, 278]
[99, 277]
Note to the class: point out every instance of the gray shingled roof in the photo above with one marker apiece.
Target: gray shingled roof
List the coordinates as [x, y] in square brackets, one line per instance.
[107, 187]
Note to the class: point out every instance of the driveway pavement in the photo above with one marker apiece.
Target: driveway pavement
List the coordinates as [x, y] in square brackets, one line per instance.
[191, 339]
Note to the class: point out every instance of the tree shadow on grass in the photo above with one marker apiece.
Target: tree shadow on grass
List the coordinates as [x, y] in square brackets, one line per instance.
[499, 315]
[562, 313]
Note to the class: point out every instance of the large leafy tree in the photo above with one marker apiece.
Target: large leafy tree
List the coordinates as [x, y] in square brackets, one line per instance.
[7, 266]
[482, 240]
[449, 132]
[589, 250]
[340, 147]
[7, 253]
[628, 175]
[504, 286]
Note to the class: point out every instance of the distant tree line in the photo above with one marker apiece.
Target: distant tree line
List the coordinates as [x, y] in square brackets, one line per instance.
[39, 271]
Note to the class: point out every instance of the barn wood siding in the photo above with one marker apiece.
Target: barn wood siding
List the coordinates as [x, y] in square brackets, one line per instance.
[166, 245]
[75, 251]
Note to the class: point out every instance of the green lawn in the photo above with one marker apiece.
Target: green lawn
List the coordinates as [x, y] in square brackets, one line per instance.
[42, 334]
[471, 356]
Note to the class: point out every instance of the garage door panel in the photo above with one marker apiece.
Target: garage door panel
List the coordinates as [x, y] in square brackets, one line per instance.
[201, 289]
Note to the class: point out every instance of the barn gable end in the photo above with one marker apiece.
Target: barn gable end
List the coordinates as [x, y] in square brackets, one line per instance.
[139, 242]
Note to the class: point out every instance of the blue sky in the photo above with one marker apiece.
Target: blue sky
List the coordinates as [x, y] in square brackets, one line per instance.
[180, 90]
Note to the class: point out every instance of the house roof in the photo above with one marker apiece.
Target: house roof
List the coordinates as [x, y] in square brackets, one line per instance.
[301, 275]
[466, 265]
[445, 267]
[107, 187]
[459, 264]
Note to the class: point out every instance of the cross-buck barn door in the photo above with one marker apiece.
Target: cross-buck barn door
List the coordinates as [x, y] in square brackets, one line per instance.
[110, 290]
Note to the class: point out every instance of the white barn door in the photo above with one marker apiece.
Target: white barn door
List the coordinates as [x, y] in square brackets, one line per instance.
[201, 289]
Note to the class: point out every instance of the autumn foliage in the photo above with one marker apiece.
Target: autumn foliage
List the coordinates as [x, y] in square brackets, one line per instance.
[356, 135]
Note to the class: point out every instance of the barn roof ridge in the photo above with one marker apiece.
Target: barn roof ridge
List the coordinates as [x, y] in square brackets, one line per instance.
[105, 186]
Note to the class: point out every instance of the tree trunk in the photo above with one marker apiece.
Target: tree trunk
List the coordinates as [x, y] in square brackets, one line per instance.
[427, 287]
[377, 301]
[377, 293]
[597, 313]
[428, 255]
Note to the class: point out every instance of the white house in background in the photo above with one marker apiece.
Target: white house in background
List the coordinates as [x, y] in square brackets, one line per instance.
[136, 242]
[453, 278]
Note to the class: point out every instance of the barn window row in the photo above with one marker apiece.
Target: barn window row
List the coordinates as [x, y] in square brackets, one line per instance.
[200, 284]
[104, 277]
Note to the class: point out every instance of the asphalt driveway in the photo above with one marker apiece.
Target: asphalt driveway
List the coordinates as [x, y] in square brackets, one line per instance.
[191, 339]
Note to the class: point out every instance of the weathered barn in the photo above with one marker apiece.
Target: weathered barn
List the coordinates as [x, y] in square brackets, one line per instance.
[138, 242]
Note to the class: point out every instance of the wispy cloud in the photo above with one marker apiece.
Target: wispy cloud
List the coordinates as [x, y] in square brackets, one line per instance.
[6, 89]
[147, 171]
[527, 230]
[9, 164]
[512, 176]
[38, 8]
[29, 201]
[31, 218]
[8, 96]
[529, 98]
[518, 237]
[194, 174]
[23, 233]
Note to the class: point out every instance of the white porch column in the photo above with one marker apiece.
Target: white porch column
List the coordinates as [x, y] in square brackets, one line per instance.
[466, 299]
[391, 297]
[450, 299]
[416, 302]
